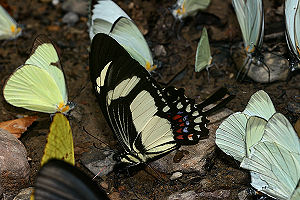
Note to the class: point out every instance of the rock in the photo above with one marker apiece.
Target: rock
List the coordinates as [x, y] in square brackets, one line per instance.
[218, 194]
[245, 195]
[159, 50]
[14, 167]
[70, 18]
[198, 155]
[276, 68]
[78, 6]
[24, 194]
[99, 161]
[190, 195]
[176, 175]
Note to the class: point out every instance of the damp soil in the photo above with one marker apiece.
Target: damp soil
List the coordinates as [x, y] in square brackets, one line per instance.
[179, 42]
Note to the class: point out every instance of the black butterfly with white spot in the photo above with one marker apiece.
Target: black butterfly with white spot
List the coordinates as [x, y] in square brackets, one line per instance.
[148, 121]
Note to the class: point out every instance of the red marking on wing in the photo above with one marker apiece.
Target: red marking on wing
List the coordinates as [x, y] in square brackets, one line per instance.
[180, 137]
[182, 124]
[176, 117]
[179, 130]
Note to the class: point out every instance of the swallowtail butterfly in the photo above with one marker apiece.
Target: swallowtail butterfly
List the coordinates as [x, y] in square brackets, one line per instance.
[148, 121]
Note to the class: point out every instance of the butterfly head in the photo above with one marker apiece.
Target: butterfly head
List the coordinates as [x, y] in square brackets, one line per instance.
[150, 67]
[65, 107]
[15, 30]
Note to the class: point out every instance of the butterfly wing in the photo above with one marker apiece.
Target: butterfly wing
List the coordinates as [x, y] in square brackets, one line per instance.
[254, 132]
[230, 136]
[279, 130]
[251, 19]
[203, 55]
[128, 35]
[296, 193]
[296, 32]
[107, 11]
[8, 26]
[290, 12]
[33, 88]
[260, 104]
[59, 141]
[185, 8]
[44, 55]
[276, 166]
[144, 117]
[60, 180]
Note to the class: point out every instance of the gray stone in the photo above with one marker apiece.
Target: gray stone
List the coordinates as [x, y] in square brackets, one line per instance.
[78, 6]
[70, 18]
[99, 162]
[159, 50]
[24, 194]
[14, 167]
[190, 195]
[218, 194]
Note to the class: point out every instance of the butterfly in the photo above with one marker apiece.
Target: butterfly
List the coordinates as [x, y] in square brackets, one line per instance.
[107, 17]
[185, 8]
[292, 21]
[60, 180]
[234, 135]
[39, 84]
[203, 55]
[59, 141]
[275, 159]
[8, 26]
[148, 121]
[250, 16]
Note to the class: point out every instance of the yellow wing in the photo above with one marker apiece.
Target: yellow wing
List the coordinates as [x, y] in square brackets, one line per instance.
[60, 141]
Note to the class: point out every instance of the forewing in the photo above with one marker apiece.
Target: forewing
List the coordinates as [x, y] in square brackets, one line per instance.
[128, 35]
[280, 130]
[107, 11]
[203, 55]
[254, 131]
[44, 55]
[8, 26]
[260, 104]
[290, 16]
[59, 141]
[276, 166]
[230, 136]
[33, 88]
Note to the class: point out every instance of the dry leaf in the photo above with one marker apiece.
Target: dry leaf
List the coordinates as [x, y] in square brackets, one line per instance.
[18, 126]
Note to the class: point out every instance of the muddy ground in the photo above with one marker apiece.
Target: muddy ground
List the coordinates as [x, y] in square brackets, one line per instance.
[156, 22]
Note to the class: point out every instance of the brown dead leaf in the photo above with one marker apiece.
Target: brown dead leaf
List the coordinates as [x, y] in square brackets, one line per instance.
[297, 127]
[53, 28]
[18, 126]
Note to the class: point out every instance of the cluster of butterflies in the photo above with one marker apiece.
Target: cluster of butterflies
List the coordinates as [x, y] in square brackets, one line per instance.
[265, 143]
[148, 121]
[250, 16]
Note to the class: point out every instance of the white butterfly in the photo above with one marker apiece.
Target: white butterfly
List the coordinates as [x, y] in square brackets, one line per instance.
[8, 26]
[109, 18]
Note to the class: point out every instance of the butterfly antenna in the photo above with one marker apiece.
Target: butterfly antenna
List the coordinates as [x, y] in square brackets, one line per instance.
[83, 128]
[216, 96]
[81, 89]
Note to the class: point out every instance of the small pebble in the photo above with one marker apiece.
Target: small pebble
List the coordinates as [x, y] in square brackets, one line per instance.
[176, 175]
[190, 195]
[70, 18]
[159, 50]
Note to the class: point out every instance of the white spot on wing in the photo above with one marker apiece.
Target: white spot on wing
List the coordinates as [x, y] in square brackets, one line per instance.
[196, 113]
[197, 128]
[188, 108]
[179, 105]
[198, 119]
